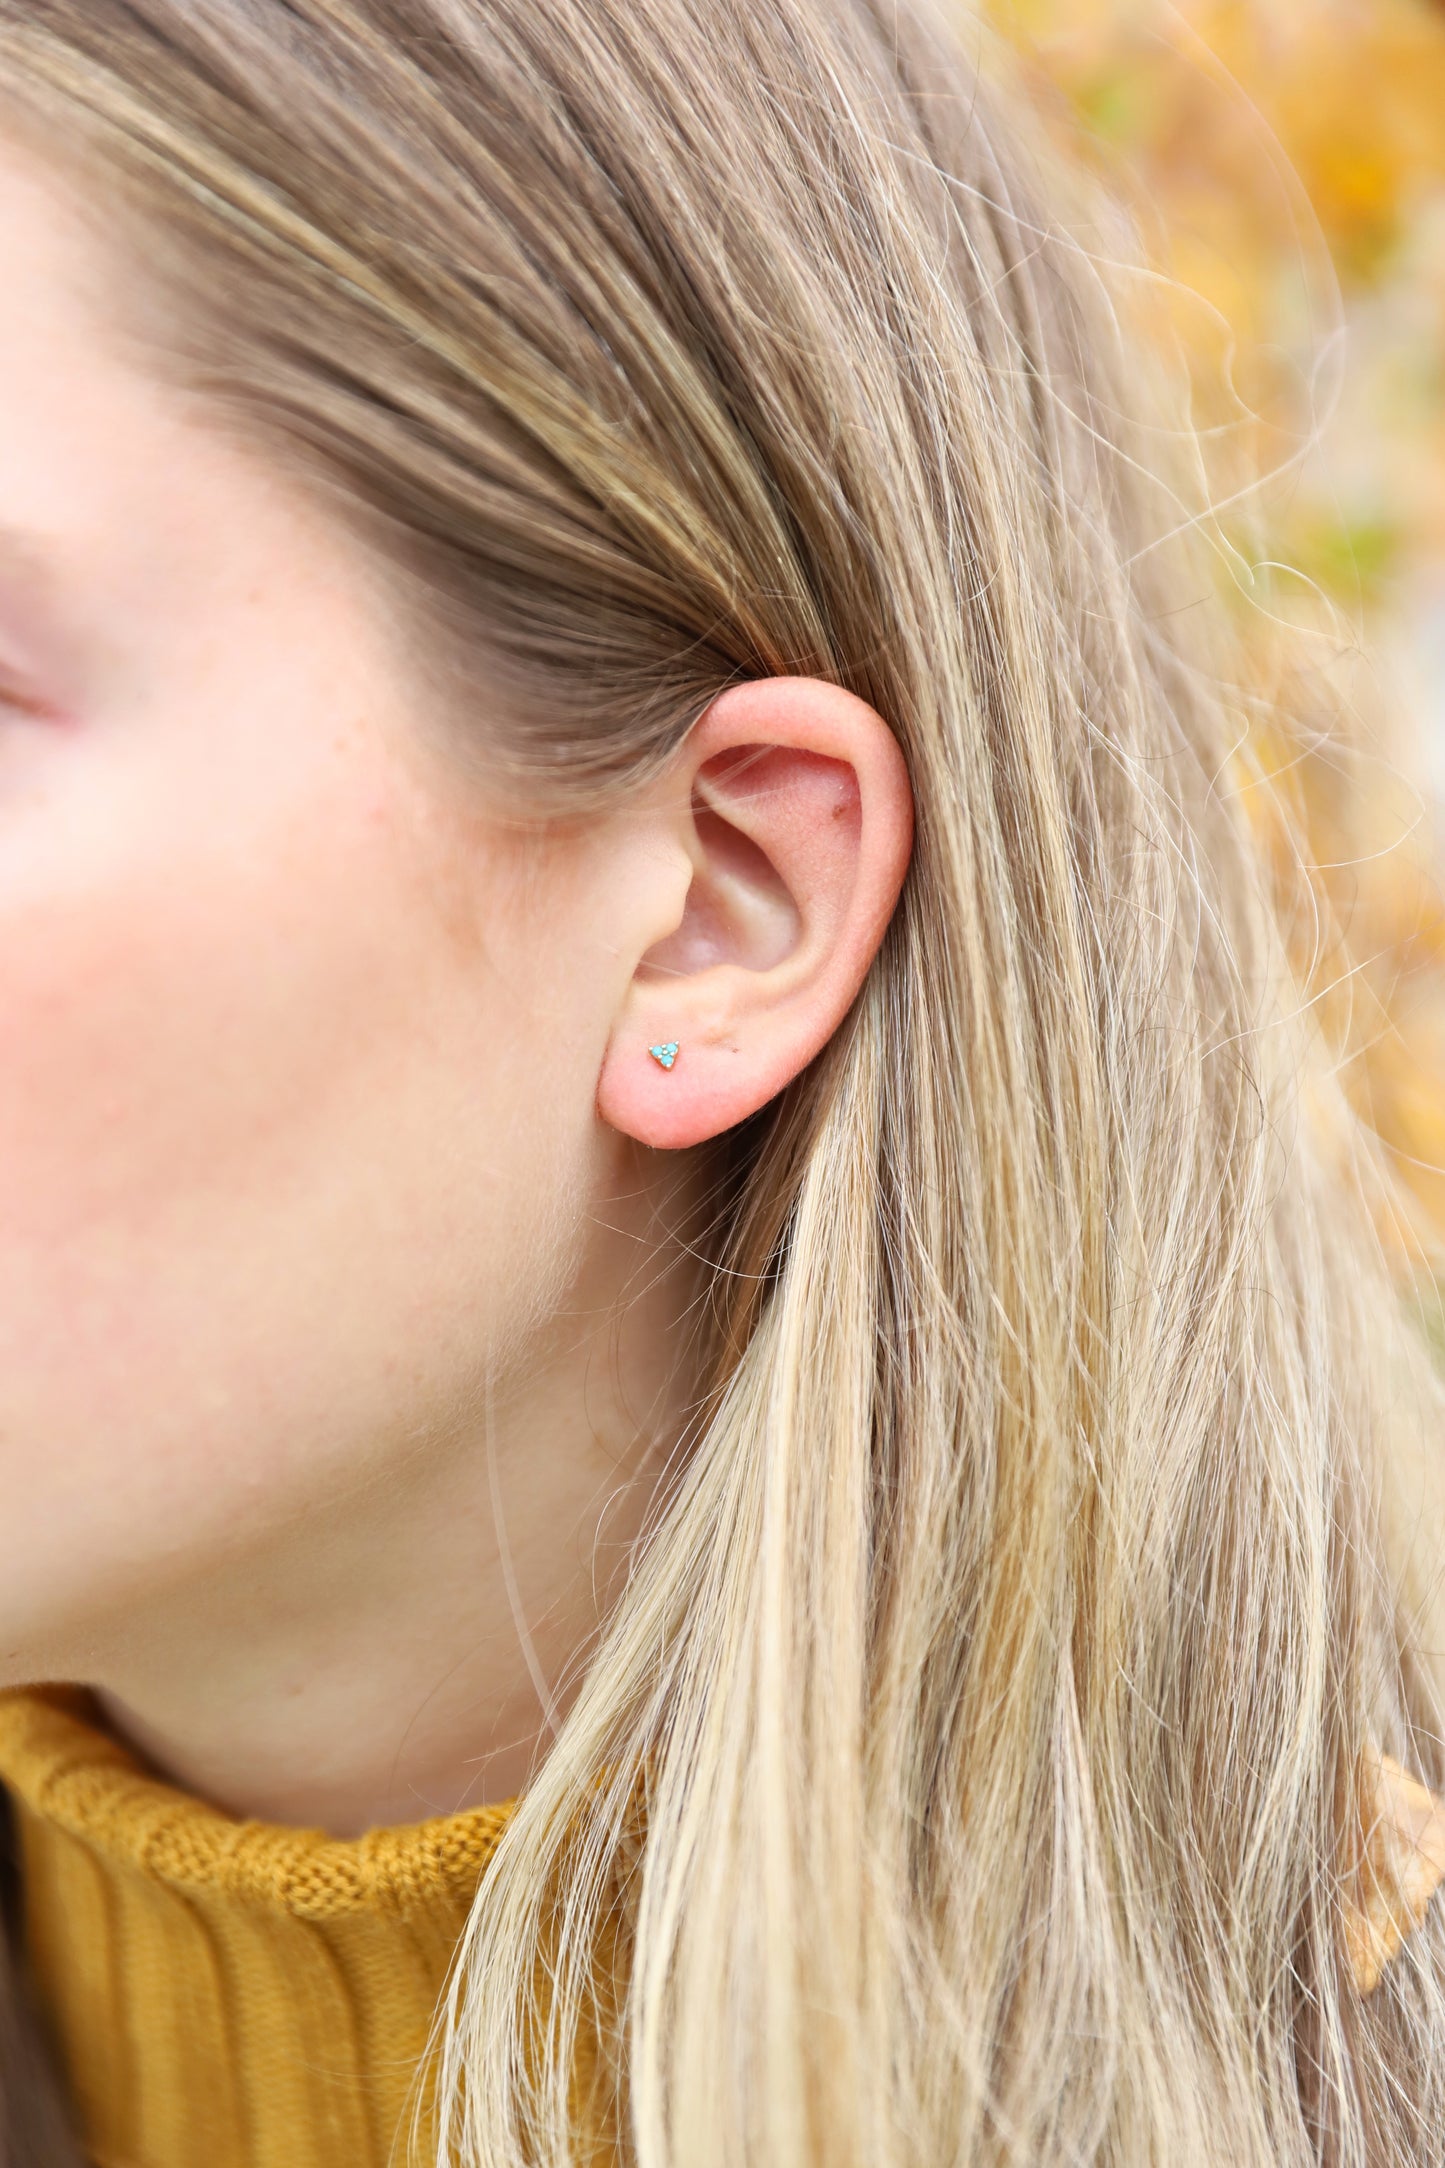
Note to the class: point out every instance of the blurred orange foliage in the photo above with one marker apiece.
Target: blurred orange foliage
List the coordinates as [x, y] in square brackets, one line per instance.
[1285, 161]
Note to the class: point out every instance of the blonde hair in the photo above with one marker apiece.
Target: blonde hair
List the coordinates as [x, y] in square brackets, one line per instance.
[997, 1668]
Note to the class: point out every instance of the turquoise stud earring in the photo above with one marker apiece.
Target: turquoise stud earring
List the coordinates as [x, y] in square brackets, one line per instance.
[665, 1056]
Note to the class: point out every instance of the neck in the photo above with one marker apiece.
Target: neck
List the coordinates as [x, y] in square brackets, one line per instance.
[411, 1656]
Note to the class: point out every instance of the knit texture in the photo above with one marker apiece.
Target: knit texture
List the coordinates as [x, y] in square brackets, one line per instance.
[230, 1994]
[224, 1993]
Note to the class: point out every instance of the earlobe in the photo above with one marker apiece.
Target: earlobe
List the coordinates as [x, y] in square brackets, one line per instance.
[792, 801]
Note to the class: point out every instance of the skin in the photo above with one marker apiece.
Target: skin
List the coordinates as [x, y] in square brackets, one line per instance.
[337, 1301]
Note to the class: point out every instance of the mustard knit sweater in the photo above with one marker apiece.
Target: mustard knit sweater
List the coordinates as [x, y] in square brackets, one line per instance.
[226, 1994]
[221, 1993]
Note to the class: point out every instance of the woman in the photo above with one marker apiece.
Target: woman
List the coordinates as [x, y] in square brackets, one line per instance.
[680, 1387]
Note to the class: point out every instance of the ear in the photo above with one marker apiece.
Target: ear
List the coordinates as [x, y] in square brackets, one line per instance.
[790, 798]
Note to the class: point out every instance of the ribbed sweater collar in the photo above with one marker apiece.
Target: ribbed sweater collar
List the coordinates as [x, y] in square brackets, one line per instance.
[225, 1993]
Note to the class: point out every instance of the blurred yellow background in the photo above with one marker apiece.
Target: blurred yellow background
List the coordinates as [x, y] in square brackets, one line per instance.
[1286, 159]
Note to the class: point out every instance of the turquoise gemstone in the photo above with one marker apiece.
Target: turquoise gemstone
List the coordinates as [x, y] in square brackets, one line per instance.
[667, 1055]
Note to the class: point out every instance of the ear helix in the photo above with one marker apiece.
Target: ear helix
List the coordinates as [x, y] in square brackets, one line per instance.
[664, 1055]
